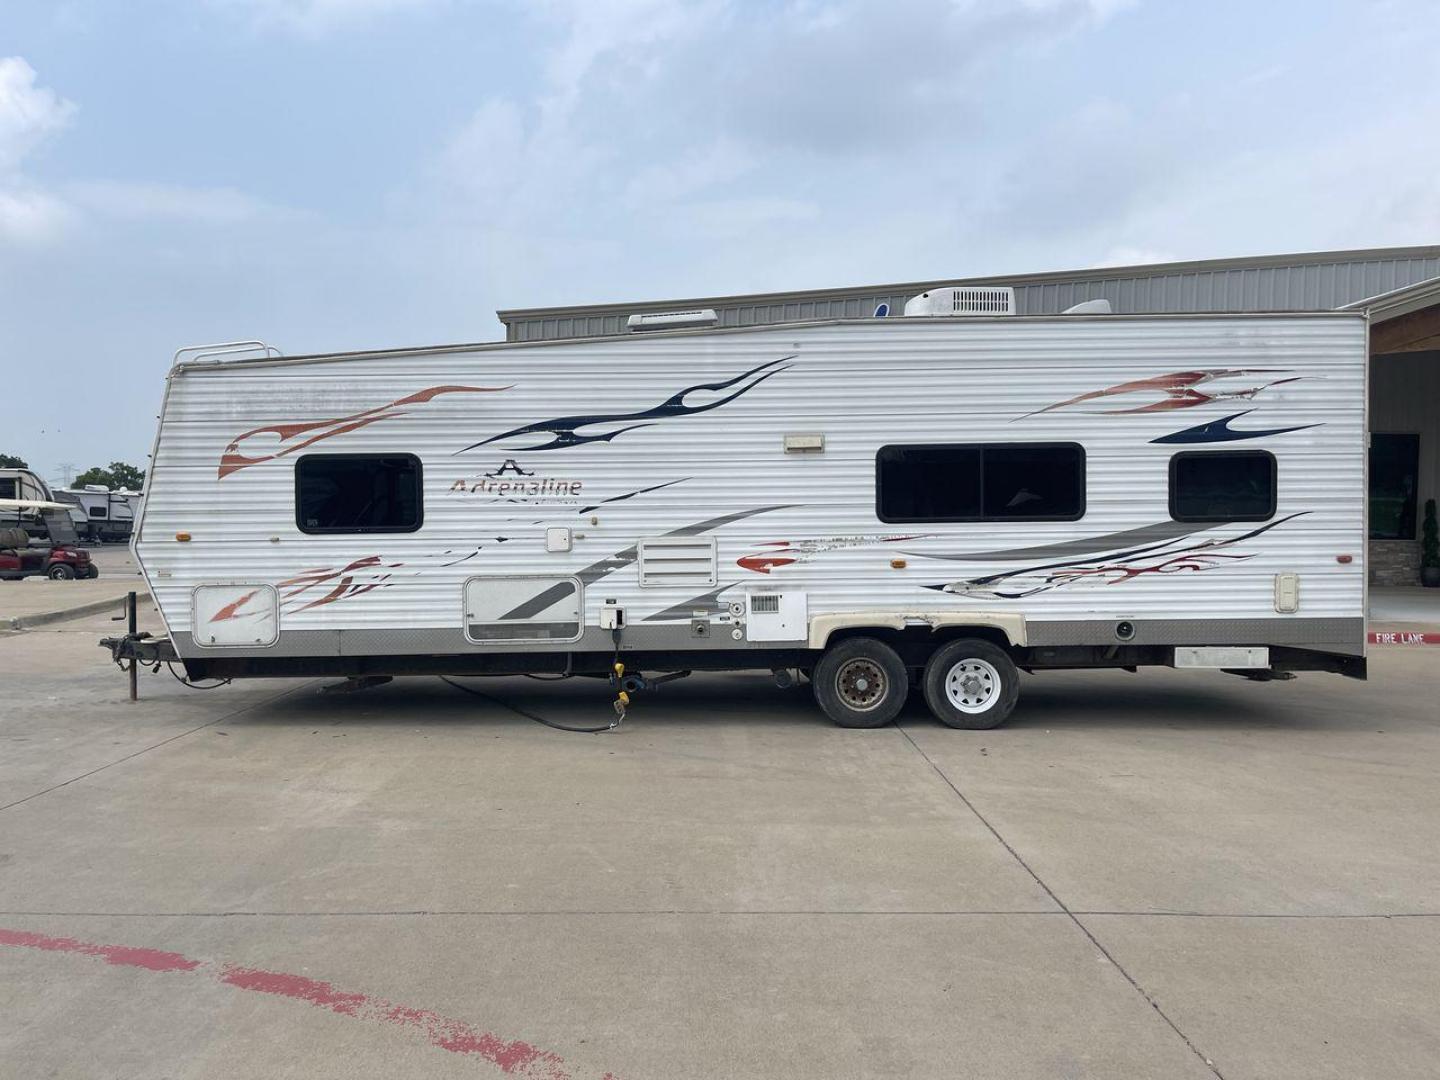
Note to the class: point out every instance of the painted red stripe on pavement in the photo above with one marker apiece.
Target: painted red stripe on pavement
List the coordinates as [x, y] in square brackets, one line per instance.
[149, 959]
[1402, 637]
[508, 1055]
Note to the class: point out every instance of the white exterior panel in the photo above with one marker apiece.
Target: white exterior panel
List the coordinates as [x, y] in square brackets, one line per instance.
[607, 457]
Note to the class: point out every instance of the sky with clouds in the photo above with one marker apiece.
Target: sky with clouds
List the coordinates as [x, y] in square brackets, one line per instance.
[334, 174]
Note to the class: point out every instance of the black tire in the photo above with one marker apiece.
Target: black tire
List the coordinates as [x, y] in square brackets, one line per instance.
[60, 572]
[861, 683]
[93, 572]
[993, 686]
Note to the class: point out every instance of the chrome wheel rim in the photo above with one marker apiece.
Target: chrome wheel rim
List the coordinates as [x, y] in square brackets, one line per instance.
[861, 684]
[972, 685]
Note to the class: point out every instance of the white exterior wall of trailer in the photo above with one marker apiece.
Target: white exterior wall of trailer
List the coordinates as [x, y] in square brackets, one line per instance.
[621, 440]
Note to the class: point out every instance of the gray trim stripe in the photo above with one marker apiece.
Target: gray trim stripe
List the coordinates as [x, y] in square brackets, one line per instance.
[1333, 634]
[1327, 634]
[1146, 534]
[550, 596]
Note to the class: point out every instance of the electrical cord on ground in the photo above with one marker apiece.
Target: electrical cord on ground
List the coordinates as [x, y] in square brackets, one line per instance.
[530, 715]
[183, 681]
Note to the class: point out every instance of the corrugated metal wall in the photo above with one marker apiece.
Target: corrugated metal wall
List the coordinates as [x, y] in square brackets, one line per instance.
[1304, 283]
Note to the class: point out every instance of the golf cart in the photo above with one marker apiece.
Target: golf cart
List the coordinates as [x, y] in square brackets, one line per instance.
[61, 560]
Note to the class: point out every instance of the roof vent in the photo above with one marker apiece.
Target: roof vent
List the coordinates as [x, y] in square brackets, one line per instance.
[964, 300]
[1089, 307]
[670, 320]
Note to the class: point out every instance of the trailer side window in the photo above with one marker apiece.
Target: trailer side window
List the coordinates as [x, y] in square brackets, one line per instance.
[1222, 485]
[358, 493]
[980, 482]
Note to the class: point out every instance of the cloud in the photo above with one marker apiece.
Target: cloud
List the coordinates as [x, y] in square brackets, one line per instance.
[847, 77]
[168, 202]
[34, 215]
[30, 217]
[701, 134]
[689, 172]
[315, 17]
[1133, 256]
[29, 116]
[676, 100]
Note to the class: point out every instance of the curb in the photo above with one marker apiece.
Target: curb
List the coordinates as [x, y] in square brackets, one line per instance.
[95, 607]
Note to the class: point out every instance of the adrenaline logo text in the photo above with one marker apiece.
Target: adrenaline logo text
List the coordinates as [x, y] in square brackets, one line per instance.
[510, 481]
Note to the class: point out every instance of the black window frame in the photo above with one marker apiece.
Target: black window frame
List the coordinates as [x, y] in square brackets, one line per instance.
[351, 530]
[1212, 518]
[982, 516]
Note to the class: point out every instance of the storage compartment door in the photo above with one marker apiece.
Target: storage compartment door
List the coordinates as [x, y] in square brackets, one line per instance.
[523, 609]
[235, 615]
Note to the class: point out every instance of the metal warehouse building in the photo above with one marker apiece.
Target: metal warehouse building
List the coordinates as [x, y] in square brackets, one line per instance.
[1399, 287]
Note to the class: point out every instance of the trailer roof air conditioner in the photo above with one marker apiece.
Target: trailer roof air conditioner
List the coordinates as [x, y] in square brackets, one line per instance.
[670, 320]
[1089, 307]
[964, 300]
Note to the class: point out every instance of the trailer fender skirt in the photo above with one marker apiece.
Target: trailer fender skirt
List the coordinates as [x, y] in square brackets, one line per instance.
[1011, 624]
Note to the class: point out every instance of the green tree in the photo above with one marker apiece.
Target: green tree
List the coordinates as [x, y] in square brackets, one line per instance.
[10, 461]
[96, 475]
[118, 475]
[127, 476]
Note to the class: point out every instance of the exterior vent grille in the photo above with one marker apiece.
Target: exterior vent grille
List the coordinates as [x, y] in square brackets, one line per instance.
[765, 604]
[677, 560]
[964, 300]
[670, 320]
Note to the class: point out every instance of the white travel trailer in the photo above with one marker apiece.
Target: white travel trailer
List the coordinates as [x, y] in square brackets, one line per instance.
[25, 486]
[934, 501]
[99, 513]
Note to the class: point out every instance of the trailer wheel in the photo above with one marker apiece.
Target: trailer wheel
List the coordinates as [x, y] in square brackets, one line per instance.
[861, 683]
[60, 572]
[971, 684]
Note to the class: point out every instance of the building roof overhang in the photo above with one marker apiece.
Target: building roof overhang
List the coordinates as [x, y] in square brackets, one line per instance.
[1061, 277]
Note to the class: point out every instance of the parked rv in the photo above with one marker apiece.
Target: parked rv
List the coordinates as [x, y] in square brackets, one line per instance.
[935, 501]
[100, 515]
[25, 486]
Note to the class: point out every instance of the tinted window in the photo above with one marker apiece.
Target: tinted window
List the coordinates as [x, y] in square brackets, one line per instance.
[357, 493]
[1034, 482]
[7, 487]
[928, 483]
[1394, 471]
[1222, 486]
[996, 482]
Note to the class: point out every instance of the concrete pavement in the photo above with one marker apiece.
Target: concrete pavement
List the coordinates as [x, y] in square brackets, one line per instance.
[1412, 606]
[1139, 875]
[37, 601]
